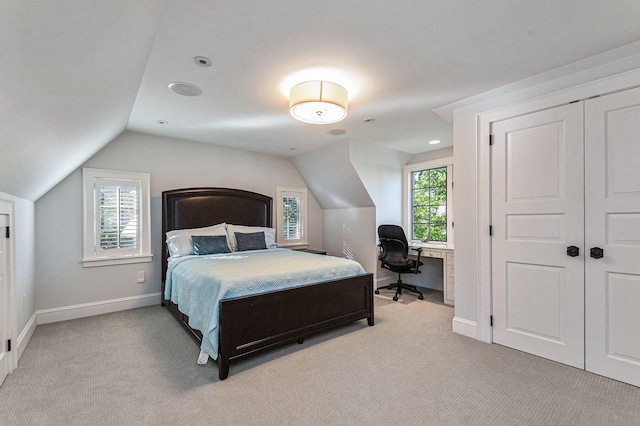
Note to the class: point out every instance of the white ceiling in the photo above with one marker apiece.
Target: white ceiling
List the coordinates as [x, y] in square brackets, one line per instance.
[75, 74]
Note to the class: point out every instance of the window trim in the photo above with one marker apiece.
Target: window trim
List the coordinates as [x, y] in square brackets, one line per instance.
[91, 224]
[280, 191]
[406, 196]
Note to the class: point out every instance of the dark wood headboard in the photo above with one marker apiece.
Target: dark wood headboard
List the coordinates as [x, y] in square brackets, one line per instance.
[198, 207]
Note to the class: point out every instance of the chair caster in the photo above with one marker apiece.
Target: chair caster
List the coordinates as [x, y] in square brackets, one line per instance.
[377, 291]
[421, 297]
[395, 298]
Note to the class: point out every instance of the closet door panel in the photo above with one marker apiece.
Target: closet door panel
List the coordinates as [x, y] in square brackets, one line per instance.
[612, 202]
[537, 211]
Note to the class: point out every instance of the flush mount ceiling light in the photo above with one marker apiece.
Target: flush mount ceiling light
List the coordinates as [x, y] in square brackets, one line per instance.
[318, 102]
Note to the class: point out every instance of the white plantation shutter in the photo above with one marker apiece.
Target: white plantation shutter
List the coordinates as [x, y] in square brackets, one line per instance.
[119, 208]
[292, 215]
[116, 226]
[292, 220]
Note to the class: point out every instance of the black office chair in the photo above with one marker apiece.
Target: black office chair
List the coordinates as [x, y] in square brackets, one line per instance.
[394, 256]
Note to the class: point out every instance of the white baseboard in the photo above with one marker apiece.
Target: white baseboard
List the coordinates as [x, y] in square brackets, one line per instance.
[64, 313]
[465, 327]
[25, 336]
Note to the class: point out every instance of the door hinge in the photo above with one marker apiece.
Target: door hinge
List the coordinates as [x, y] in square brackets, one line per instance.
[9, 345]
[7, 233]
[491, 320]
[490, 230]
[490, 139]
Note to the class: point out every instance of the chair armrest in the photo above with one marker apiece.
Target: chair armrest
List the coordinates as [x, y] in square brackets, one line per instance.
[419, 250]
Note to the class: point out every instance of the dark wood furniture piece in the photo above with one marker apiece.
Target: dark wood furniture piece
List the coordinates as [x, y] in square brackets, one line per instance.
[313, 251]
[253, 323]
[394, 256]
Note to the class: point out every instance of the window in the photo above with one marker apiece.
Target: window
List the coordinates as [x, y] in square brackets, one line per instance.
[292, 215]
[116, 218]
[428, 206]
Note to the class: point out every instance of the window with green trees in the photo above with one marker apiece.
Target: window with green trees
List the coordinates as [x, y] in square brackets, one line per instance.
[429, 204]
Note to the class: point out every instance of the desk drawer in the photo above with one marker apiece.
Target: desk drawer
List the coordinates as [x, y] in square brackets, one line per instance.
[432, 253]
[451, 290]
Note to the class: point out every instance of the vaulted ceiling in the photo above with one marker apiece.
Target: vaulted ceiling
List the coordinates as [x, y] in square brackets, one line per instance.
[77, 73]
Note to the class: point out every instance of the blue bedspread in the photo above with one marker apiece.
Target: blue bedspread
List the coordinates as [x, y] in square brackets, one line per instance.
[198, 283]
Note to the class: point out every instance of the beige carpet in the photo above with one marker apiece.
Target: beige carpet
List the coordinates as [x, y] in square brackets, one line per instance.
[139, 368]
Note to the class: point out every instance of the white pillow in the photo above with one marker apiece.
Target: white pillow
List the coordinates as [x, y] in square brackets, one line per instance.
[179, 240]
[269, 235]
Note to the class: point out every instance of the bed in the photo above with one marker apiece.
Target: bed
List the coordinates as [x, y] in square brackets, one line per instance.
[251, 323]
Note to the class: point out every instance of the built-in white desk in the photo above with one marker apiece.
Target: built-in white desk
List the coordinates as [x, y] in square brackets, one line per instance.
[445, 252]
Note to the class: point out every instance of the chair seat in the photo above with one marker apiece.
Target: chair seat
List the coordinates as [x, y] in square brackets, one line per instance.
[401, 266]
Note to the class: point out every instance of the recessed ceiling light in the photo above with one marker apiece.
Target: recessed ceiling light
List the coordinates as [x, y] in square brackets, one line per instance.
[202, 61]
[434, 142]
[185, 89]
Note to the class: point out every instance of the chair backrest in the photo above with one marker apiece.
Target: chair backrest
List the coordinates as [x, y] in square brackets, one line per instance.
[394, 232]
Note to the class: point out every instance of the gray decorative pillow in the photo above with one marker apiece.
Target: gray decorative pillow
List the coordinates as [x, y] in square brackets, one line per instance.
[209, 244]
[250, 241]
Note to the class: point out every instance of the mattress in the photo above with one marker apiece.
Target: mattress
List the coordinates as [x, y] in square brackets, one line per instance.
[197, 284]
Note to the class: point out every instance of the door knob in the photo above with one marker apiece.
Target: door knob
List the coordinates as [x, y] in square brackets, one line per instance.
[573, 251]
[596, 252]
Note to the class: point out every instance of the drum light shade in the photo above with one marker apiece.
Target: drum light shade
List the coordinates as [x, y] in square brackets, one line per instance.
[318, 102]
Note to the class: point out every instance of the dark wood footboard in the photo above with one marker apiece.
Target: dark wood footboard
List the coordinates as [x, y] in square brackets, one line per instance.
[254, 323]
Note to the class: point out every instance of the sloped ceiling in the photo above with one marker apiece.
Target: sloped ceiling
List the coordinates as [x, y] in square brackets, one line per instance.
[76, 73]
[70, 74]
[332, 179]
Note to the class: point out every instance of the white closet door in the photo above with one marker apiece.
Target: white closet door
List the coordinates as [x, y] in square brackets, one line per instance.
[612, 202]
[4, 302]
[537, 212]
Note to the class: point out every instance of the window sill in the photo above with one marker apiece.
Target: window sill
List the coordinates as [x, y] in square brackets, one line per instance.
[90, 263]
[294, 246]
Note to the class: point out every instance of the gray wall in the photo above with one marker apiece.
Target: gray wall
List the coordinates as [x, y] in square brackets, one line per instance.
[380, 170]
[351, 233]
[431, 155]
[349, 212]
[332, 177]
[61, 279]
